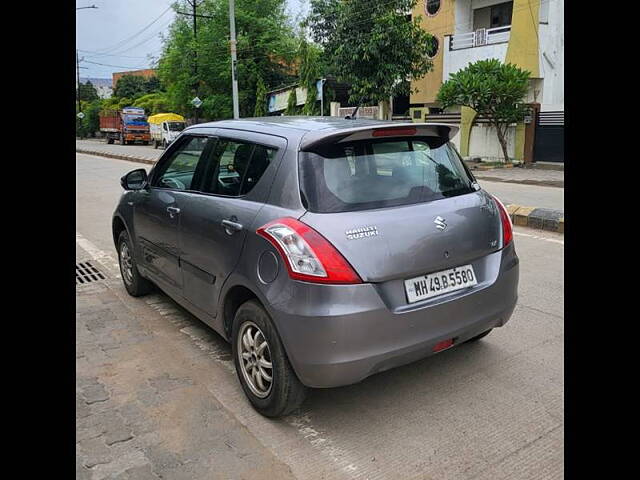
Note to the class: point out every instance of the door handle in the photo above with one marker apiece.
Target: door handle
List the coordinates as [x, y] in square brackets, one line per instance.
[231, 227]
[173, 211]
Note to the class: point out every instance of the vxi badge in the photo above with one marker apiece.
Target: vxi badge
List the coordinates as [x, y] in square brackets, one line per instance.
[361, 232]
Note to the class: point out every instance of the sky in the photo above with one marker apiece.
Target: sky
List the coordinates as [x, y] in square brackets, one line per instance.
[119, 35]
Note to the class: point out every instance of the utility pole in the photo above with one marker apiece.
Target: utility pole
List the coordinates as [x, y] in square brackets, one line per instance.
[234, 60]
[78, 80]
[194, 7]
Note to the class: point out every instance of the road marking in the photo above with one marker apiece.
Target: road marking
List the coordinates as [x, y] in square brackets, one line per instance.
[546, 239]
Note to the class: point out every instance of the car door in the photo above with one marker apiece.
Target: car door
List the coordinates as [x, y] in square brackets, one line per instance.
[214, 222]
[157, 212]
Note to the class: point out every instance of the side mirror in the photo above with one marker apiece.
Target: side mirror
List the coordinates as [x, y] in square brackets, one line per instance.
[134, 180]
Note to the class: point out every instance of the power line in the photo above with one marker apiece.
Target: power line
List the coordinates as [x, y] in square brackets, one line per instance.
[121, 43]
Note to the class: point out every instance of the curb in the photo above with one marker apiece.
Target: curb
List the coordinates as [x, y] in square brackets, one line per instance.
[532, 217]
[540, 218]
[119, 156]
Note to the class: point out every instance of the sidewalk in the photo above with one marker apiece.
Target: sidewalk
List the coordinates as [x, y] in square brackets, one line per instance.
[527, 176]
[143, 407]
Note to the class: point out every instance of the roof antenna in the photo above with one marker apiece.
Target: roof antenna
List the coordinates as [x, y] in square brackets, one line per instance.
[353, 115]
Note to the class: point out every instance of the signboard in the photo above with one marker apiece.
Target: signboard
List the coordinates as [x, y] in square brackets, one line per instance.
[80, 115]
[196, 102]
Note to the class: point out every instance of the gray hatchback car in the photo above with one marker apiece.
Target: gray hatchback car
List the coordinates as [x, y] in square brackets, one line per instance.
[324, 249]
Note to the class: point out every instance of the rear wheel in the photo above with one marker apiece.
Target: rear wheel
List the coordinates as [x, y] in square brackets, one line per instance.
[135, 284]
[164, 144]
[109, 140]
[478, 337]
[155, 144]
[261, 363]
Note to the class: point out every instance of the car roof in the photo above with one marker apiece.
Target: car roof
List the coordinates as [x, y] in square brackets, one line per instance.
[311, 129]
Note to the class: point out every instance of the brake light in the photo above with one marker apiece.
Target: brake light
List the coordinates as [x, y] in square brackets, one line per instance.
[307, 254]
[391, 132]
[507, 226]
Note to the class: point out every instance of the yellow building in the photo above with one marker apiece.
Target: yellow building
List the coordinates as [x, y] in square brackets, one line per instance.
[527, 33]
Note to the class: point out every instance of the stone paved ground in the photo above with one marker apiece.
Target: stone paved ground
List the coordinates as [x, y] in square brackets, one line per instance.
[140, 415]
[533, 176]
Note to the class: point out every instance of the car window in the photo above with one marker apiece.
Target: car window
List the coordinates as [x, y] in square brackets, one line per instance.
[179, 171]
[236, 167]
[366, 174]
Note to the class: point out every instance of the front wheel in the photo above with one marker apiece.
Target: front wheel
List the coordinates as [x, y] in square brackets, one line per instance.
[155, 144]
[263, 368]
[135, 284]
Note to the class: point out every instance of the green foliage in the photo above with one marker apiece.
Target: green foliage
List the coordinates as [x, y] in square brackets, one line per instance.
[260, 109]
[292, 108]
[493, 89]
[153, 103]
[310, 71]
[266, 45]
[134, 86]
[87, 91]
[130, 86]
[371, 45]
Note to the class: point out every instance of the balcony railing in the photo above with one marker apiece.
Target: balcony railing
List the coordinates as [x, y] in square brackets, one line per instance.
[479, 38]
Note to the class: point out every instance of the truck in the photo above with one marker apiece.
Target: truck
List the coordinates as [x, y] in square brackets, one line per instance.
[126, 126]
[165, 128]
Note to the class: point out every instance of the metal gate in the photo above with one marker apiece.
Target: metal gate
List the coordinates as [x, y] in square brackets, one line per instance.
[548, 145]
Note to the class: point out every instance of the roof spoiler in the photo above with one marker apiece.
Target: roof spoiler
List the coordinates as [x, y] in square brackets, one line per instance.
[318, 137]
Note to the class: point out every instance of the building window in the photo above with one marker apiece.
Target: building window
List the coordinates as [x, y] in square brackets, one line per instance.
[433, 48]
[501, 15]
[432, 7]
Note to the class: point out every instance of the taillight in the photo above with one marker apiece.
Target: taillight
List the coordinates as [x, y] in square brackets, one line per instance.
[390, 132]
[507, 226]
[307, 254]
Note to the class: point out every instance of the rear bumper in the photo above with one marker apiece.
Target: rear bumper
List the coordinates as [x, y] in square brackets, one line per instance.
[340, 334]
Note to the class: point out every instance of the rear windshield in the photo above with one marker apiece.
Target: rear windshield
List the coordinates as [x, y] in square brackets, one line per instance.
[366, 174]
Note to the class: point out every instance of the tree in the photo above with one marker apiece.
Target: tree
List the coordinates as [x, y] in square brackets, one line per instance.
[87, 91]
[130, 86]
[261, 99]
[494, 90]
[372, 46]
[266, 49]
[310, 56]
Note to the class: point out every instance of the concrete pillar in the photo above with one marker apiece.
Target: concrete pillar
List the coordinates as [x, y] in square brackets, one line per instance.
[333, 108]
[467, 116]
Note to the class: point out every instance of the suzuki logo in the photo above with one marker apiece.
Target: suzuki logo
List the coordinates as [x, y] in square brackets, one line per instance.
[440, 223]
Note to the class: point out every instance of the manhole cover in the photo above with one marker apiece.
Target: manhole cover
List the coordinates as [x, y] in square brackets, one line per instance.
[87, 273]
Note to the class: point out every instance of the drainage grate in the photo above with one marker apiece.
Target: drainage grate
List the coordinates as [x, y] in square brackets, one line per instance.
[87, 273]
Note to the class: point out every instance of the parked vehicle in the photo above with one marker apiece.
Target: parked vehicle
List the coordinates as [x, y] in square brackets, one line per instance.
[325, 250]
[126, 126]
[165, 128]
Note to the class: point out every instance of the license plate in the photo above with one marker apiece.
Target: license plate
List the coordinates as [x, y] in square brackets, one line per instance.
[439, 283]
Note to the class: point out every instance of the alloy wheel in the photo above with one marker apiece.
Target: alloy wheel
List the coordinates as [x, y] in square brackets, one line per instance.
[126, 264]
[254, 357]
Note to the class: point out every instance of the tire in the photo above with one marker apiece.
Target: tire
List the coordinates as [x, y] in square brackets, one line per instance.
[133, 282]
[164, 144]
[155, 144]
[122, 139]
[478, 337]
[284, 393]
[110, 141]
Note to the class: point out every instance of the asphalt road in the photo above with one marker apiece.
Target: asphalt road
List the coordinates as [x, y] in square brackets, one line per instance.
[520, 194]
[490, 410]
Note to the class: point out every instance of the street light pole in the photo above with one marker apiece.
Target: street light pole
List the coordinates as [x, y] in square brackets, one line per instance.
[234, 60]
